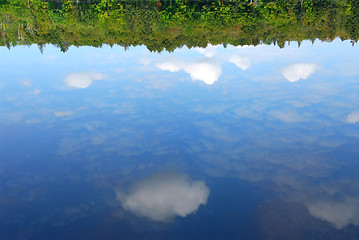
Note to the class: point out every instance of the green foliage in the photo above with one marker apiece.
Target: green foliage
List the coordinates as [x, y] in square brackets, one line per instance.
[169, 24]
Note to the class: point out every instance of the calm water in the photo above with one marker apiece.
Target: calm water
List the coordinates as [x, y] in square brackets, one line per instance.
[203, 143]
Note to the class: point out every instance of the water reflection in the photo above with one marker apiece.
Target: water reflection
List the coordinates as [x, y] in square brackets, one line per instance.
[241, 62]
[163, 196]
[299, 71]
[353, 117]
[339, 213]
[273, 133]
[205, 69]
[82, 80]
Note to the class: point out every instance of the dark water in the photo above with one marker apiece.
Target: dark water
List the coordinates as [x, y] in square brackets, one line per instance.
[215, 143]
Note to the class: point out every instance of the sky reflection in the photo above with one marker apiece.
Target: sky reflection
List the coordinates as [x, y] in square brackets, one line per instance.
[163, 196]
[276, 128]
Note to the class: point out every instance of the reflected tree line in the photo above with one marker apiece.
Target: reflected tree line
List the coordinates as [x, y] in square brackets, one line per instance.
[169, 24]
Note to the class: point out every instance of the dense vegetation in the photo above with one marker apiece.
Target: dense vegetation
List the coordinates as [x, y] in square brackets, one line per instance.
[169, 24]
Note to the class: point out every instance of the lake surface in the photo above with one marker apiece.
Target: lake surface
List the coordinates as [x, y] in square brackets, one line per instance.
[214, 142]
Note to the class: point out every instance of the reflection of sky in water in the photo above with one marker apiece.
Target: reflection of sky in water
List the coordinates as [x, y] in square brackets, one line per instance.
[163, 196]
[264, 133]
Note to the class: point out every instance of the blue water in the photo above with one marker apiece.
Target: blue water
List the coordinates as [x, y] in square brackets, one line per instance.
[216, 143]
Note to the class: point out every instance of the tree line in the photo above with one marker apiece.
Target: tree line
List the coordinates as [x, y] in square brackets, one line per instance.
[170, 24]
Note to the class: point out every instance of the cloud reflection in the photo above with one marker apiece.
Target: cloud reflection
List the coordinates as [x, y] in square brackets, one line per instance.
[172, 65]
[339, 213]
[353, 117]
[63, 113]
[164, 196]
[241, 62]
[36, 91]
[26, 83]
[299, 71]
[208, 51]
[206, 69]
[82, 79]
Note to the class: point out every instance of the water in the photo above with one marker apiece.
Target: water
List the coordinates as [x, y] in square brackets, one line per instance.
[215, 142]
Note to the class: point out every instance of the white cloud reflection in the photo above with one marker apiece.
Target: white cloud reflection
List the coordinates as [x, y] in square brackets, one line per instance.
[208, 51]
[63, 113]
[36, 91]
[26, 83]
[145, 61]
[338, 213]
[287, 116]
[172, 65]
[164, 196]
[241, 62]
[82, 79]
[206, 69]
[299, 71]
[353, 117]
